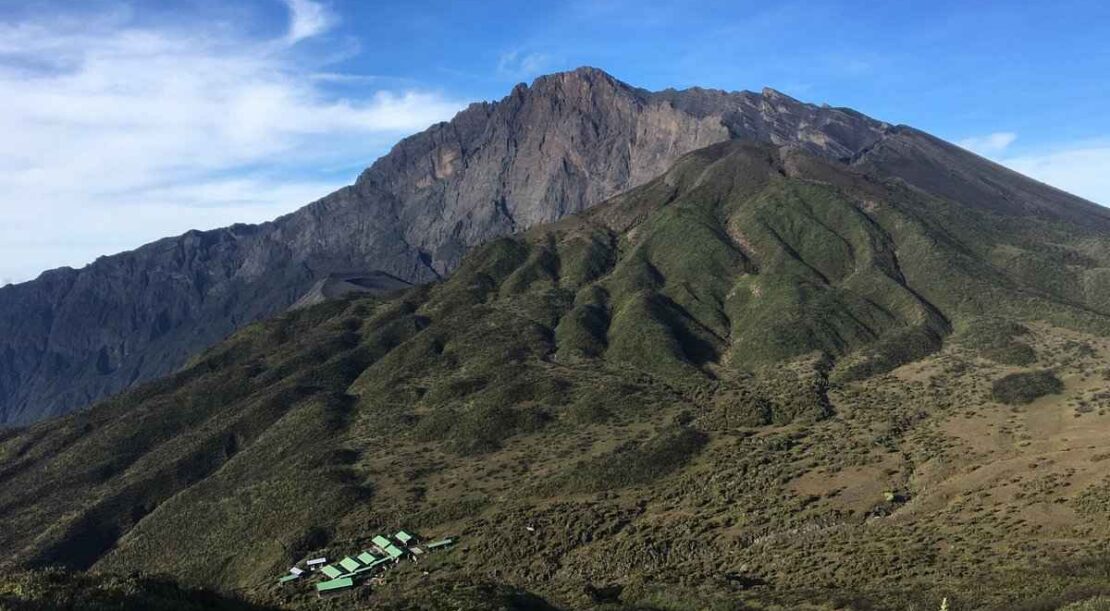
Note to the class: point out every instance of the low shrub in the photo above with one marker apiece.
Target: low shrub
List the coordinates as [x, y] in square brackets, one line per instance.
[1026, 386]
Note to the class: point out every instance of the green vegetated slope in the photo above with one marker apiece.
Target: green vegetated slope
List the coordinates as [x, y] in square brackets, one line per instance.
[695, 395]
[58, 590]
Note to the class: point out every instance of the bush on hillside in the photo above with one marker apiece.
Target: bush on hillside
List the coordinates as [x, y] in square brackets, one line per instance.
[1026, 386]
[888, 354]
[997, 339]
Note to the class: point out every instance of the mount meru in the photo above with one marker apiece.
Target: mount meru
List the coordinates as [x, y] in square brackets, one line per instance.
[555, 148]
[704, 351]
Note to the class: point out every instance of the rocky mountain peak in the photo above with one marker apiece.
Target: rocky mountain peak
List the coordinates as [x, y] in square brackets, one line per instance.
[774, 94]
[582, 75]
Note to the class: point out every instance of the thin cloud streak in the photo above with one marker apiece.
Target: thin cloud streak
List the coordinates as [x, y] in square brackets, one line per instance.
[991, 144]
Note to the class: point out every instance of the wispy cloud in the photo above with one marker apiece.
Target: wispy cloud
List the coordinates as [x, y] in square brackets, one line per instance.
[114, 135]
[991, 144]
[307, 19]
[517, 64]
[1079, 168]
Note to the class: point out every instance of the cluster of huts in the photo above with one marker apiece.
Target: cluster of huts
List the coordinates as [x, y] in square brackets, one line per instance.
[346, 573]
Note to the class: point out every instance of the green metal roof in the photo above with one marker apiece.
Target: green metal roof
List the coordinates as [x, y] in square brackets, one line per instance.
[334, 584]
[331, 571]
[394, 551]
[349, 563]
[442, 543]
[373, 565]
[366, 557]
[381, 541]
[288, 578]
[403, 537]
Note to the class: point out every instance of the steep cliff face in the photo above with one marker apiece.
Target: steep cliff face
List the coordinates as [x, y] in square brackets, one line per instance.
[569, 141]
[547, 150]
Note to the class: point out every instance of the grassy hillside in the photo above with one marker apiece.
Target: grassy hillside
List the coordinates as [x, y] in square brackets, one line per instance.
[759, 381]
[57, 590]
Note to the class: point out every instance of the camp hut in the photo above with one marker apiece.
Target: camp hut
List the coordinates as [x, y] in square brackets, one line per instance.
[366, 558]
[296, 571]
[331, 571]
[325, 588]
[393, 551]
[315, 563]
[288, 578]
[381, 542]
[441, 544]
[405, 538]
[349, 564]
[372, 566]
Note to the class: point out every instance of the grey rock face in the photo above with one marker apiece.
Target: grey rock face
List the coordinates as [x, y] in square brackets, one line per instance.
[566, 142]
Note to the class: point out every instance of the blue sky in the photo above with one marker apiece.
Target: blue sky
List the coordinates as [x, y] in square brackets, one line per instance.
[127, 121]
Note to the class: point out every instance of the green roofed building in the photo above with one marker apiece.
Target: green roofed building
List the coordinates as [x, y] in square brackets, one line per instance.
[366, 557]
[331, 571]
[327, 587]
[349, 563]
[439, 544]
[403, 537]
[372, 566]
[381, 541]
[288, 578]
[394, 551]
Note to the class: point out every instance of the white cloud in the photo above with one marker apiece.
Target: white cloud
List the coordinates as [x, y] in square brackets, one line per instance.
[988, 145]
[114, 135]
[514, 64]
[1082, 169]
[306, 19]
